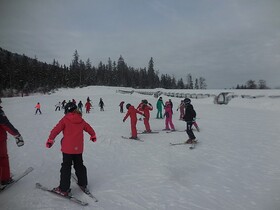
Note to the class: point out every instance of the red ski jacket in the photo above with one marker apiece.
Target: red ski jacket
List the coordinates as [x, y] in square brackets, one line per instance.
[146, 108]
[132, 112]
[72, 125]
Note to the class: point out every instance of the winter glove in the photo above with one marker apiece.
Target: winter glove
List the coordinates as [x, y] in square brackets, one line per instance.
[167, 114]
[144, 115]
[49, 143]
[123, 120]
[93, 138]
[19, 140]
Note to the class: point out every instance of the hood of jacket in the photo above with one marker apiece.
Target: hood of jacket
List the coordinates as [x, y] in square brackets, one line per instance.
[74, 118]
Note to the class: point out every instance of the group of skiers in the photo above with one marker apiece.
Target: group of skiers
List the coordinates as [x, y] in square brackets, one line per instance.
[187, 113]
[61, 105]
[72, 125]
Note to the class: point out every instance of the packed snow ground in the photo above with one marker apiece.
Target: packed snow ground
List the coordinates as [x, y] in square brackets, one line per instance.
[235, 166]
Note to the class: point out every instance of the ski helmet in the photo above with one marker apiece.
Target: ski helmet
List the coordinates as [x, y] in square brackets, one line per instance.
[128, 105]
[187, 101]
[69, 107]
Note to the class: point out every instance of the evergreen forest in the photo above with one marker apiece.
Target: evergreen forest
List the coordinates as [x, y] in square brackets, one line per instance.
[22, 75]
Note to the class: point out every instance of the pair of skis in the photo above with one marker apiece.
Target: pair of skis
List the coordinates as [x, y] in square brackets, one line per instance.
[183, 143]
[69, 196]
[137, 139]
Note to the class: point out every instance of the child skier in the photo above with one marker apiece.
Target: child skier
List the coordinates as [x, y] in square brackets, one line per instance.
[88, 106]
[132, 113]
[80, 106]
[101, 104]
[72, 144]
[190, 114]
[146, 108]
[121, 106]
[38, 108]
[6, 126]
[57, 106]
[168, 116]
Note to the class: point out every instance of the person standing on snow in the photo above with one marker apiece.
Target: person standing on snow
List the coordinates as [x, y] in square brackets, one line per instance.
[38, 108]
[146, 108]
[80, 106]
[159, 108]
[88, 106]
[121, 106]
[189, 117]
[63, 104]
[132, 113]
[6, 126]
[57, 106]
[72, 144]
[168, 117]
[101, 104]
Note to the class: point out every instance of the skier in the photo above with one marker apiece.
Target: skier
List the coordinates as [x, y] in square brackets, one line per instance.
[101, 104]
[38, 108]
[146, 108]
[159, 108]
[57, 106]
[88, 106]
[6, 126]
[80, 106]
[72, 125]
[121, 106]
[132, 113]
[181, 107]
[190, 114]
[63, 104]
[168, 117]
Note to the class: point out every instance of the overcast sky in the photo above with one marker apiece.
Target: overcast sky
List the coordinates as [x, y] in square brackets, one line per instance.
[228, 42]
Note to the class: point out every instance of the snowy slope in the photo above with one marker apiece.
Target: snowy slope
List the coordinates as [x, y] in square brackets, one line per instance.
[235, 166]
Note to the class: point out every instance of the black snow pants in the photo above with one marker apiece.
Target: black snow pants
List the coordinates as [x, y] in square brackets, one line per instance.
[189, 130]
[65, 171]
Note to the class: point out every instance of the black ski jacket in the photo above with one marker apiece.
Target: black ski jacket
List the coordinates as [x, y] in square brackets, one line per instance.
[190, 113]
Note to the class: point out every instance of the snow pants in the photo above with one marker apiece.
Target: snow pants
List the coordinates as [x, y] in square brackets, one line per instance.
[159, 113]
[133, 128]
[65, 171]
[5, 174]
[147, 124]
[189, 130]
[38, 110]
[168, 123]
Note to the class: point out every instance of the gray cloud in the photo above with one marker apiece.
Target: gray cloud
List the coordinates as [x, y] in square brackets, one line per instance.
[226, 42]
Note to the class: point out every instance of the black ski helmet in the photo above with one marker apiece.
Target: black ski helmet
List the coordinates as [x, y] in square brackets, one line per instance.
[128, 105]
[187, 101]
[69, 107]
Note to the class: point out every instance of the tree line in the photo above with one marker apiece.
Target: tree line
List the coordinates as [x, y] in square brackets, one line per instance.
[20, 74]
[251, 84]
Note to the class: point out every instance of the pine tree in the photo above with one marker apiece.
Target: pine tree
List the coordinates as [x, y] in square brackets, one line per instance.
[151, 74]
[189, 81]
